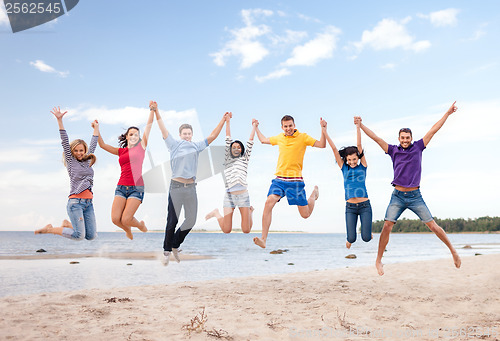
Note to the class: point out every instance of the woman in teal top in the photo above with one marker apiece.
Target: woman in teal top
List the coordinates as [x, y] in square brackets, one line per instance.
[352, 163]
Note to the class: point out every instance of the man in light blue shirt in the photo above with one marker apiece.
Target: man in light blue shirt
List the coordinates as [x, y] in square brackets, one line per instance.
[182, 193]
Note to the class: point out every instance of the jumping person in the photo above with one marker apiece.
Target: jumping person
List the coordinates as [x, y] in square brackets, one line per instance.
[235, 179]
[78, 159]
[407, 165]
[184, 162]
[292, 147]
[129, 192]
[352, 163]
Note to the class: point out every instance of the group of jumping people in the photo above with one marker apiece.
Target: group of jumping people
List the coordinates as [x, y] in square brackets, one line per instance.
[129, 194]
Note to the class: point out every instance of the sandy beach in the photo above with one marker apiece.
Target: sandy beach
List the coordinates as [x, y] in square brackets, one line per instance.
[425, 300]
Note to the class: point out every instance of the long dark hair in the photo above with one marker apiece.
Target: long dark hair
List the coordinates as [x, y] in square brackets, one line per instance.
[346, 151]
[231, 148]
[122, 139]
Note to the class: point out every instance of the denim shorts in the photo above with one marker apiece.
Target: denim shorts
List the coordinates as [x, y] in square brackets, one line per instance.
[411, 200]
[237, 200]
[294, 191]
[136, 192]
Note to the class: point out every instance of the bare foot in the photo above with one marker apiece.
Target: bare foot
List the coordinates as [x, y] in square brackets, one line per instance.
[44, 229]
[211, 214]
[258, 241]
[348, 245]
[457, 260]
[142, 227]
[316, 192]
[66, 223]
[129, 234]
[380, 267]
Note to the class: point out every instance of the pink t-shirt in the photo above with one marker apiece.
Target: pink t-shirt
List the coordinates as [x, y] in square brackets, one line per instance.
[131, 160]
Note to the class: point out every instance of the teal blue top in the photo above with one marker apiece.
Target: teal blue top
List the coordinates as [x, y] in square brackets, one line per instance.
[354, 181]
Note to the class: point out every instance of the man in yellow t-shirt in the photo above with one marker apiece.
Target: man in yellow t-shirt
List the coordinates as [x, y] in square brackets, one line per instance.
[288, 182]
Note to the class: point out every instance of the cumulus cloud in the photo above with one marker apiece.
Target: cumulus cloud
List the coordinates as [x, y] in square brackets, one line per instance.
[391, 34]
[273, 75]
[4, 19]
[446, 17]
[313, 51]
[244, 43]
[41, 66]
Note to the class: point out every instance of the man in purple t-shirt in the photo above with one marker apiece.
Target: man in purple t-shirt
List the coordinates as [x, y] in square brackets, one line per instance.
[407, 164]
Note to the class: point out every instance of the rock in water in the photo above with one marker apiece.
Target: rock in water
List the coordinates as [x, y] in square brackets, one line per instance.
[41, 250]
[351, 256]
[74, 262]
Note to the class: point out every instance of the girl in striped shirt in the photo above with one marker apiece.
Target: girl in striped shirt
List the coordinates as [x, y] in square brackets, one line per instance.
[78, 159]
[235, 179]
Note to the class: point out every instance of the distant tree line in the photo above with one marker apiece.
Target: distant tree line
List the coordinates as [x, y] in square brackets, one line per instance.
[482, 224]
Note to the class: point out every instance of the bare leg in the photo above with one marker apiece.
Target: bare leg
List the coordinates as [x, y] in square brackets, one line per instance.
[267, 216]
[54, 230]
[128, 218]
[116, 215]
[382, 243]
[246, 219]
[306, 211]
[444, 238]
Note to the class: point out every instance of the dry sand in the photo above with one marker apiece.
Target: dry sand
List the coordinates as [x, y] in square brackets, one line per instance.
[426, 300]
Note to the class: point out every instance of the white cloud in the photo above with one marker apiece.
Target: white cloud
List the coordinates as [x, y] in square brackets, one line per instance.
[390, 34]
[273, 75]
[446, 17]
[4, 19]
[307, 18]
[389, 66]
[41, 66]
[290, 37]
[244, 43]
[313, 51]
[128, 115]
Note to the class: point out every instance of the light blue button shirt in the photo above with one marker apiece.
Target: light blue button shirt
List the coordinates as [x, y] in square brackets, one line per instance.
[184, 156]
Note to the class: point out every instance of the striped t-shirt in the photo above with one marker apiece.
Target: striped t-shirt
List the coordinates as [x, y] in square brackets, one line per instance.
[81, 175]
[235, 171]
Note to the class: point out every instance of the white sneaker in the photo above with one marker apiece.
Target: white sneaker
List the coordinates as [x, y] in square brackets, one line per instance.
[176, 255]
[166, 258]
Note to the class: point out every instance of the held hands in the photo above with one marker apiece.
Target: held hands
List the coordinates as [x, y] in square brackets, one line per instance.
[452, 109]
[322, 123]
[255, 123]
[228, 116]
[95, 125]
[57, 113]
[153, 106]
[357, 121]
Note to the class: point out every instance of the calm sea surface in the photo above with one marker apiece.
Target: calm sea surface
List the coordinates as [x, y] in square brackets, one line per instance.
[234, 255]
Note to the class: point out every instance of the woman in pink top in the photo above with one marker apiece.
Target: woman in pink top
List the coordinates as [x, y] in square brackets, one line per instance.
[129, 192]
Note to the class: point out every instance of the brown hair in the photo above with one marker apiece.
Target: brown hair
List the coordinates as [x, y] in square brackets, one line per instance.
[185, 126]
[287, 118]
[122, 139]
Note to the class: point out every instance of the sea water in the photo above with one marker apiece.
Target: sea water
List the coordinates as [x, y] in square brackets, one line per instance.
[232, 255]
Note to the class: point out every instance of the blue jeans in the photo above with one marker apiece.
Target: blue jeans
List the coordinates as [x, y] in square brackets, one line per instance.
[364, 211]
[81, 214]
[412, 200]
[180, 195]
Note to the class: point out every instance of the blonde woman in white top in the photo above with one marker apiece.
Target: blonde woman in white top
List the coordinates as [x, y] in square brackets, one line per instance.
[235, 179]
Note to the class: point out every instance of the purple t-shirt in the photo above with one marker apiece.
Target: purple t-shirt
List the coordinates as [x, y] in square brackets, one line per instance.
[407, 163]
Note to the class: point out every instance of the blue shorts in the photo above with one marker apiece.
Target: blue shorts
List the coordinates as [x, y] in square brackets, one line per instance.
[411, 200]
[237, 200]
[136, 192]
[294, 191]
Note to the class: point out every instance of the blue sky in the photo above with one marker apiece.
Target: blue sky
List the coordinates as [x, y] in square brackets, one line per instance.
[395, 64]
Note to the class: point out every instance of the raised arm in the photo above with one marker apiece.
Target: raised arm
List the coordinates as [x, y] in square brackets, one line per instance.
[260, 136]
[252, 133]
[147, 129]
[427, 138]
[357, 122]
[374, 137]
[324, 131]
[59, 116]
[154, 107]
[228, 128]
[217, 129]
[95, 137]
[322, 141]
[102, 144]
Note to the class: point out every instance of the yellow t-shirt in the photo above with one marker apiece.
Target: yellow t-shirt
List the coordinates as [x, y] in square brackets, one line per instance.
[292, 150]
